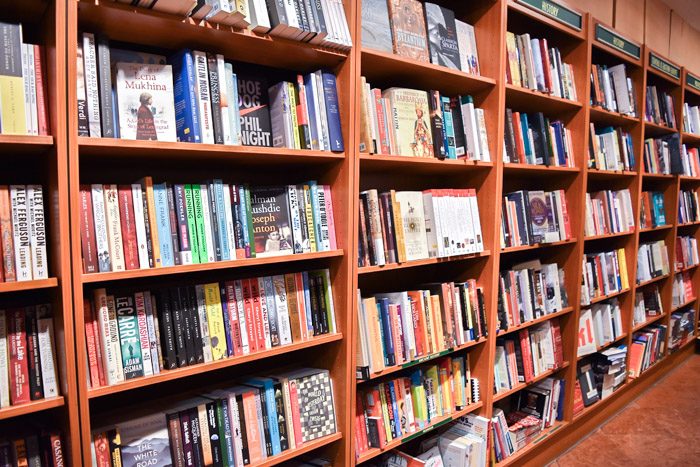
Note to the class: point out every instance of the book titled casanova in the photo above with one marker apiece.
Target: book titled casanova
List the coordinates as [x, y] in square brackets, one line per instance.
[145, 95]
[271, 223]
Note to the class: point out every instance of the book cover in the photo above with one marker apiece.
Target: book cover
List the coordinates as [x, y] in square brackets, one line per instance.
[145, 97]
[145, 441]
[37, 232]
[315, 395]
[271, 221]
[413, 224]
[376, 30]
[410, 126]
[187, 123]
[18, 365]
[256, 128]
[408, 29]
[20, 231]
[129, 339]
[442, 36]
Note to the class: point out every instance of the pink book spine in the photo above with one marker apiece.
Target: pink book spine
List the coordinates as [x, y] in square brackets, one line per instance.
[331, 219]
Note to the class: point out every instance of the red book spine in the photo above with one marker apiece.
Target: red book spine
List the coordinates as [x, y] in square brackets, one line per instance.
[249, 322]
[519, 142]
[56, 450]
[382, 124]
[527, 355]
[87, 230]
[41, 94]
[98, 341]
[19, 370]
[233, 318]
[360, 440]
[544, 51]
[556, 341]
[102, 452]
[8, 260]
[296, 421]
[565, 214]
[301, 304]
[91, 341]
[257, 314]
[126, 214]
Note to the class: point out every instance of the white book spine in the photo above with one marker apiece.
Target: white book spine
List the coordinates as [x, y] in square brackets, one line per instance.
[37, 232]
[140, 223]
[109, 360]
[142, 320]
[228, 214]
[152, 336]
[4, 363]
[476, 221]
[325, 239]
[483, 136]
[98, 210]
[32, 88]
[47, 355]
[225, 100]
[238, 291]
[91, 86]
[263, 313]
[236, 425]
[203, 323]
[206, 214]
[332, 326]
[321, 100]
[26, 82]
[203, 97]
[114, 228]
[283, 323]
[20, 231]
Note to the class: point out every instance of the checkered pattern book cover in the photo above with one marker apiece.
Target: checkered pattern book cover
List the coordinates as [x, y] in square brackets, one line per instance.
[317, 412]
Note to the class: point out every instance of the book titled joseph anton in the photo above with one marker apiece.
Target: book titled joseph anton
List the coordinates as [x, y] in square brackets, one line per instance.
[271, 224]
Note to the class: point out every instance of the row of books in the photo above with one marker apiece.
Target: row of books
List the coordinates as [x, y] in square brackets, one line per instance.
[22, 233]
[146, 224]
[41, 450]
[604, 273]
[400, 226]
[682, 328]
[535, 216]
[608, 212]
[686, 252]
[23, 95]
[691, 118]
[401, 327]
[688, 207]
[610, 148]
[523, 357]
[406, 404]
[194, 96]
[660, 107]
[599, 375]
[530, 291]
[690, 161]
[239, 425]
[652, 260]
[653, 211]
[599, 325]
[532, 410]
[648, 346]
[534, 139]
[420, 31]
[415, 123]
[134, 334]
[661, 155]
[613, 90]
[317, 22]
[682, 290]
[28, 369]
[647, 304]
[531, 63]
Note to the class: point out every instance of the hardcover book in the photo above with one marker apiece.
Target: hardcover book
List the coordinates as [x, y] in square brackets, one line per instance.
[408, 29]
[256, 128]
[145, 441]
[315, 394]
[271, 222]
[413, 220]
[145, 95]
[410, 126]
[442, 36]
[376, 30]
[129, 337]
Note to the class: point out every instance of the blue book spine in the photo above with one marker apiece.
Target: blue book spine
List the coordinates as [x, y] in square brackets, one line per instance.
[226, 311]
[395, 408]
[221, 220]
[228, 436]
[383, 305]
[529, 157]
[236, 111]
[271, 310]
[160, 193]
[332, 111]
[307, 303]
[448, 125]
[559, 141]
[311, 104]
[313, 186]
[115, 113]
[186, 108]
[244, 218]
[272, 416]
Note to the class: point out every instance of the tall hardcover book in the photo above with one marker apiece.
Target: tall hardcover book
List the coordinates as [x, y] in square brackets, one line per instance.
[145, 440]
[187, 123]
[256, 129]
[408, 29]
[12, 109]
[410, 126]
[129, 339]
[271, 221]
[376, 29]
[442, 36]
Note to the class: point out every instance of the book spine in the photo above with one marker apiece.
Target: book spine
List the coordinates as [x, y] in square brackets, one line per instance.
[200, 219]
[20, 230]
[41, 91]
[129, 339]
[172, 222]
[19, 371]
[91, 85]
[150, 209]
[267, 292]
[114, 228]
[128, 227]
[151, 323]
[6, 236]
[262, 309]
[215, 96]
[168, 340]
[215, 320]
[281, 306]
[162, 218]
[187, 122]
[242, 318]
[105, 87]
[142, 325]
[140, 221]
[238, 232]
[4, 361]
[204, 97]
[37, 232]
[190, 214]
[36, 384]
[112, 366]
[183, 229]
[332, 112]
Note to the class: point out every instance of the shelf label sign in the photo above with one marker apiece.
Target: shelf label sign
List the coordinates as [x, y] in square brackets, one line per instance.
[616, 41]
[556, 11]
[692, 81]
[664, 66]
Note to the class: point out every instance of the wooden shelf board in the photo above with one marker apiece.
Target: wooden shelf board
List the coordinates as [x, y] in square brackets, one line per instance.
[604, 346]
[31, 407]
[650, 320]
[607, 117]
[537, 169]
[513, 459]
[656, 229]
[689, 179]
[608, 174]
[503, 394]
[658, 176]
[535, 321]
[303, 449]
[683, 305]
[689, 224]
[537, 246]
[610, 235]
[419, 165]
[537, 17]
[394, 443]
[599, 403]
[602, 298]
[520, 98]
[421, 360]
[690, 138]
[192, 268]
[651, 281]
[6, 287]
[421, 262]
[24, 144]
[655, 129]
[382, 66]
[687, 268]
[110, 147]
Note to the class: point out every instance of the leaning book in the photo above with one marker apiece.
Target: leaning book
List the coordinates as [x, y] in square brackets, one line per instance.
[145, 441]
[145, 100]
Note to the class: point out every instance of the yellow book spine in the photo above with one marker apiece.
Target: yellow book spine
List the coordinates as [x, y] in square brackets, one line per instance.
[439, 334]
[398, 227]
[215, 320]
[623, 268]
[511, 52]
[310, 217]
[458, 378]
[293, 113]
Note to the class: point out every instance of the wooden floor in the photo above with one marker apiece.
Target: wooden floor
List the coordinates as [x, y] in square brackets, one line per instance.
[660, 428]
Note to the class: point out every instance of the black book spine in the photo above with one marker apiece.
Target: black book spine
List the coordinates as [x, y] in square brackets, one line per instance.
[437, 124]
[178, 325]
[196, 438]
[196, 324]
[245, 452]
[215, 91]
[458, 123]
[317, 6]
[482, 312]
[266, 422]
[115, 447]
[316, 322]
[167, 341]
[188, 325]
[370, 245]
[36, 385]
[104, 76]
[147, 223]
[174, 237]
[322, 306]
[237, 222]
[300, 20]
[214, 438]
[187, 445]
[281, 418]
[278, 15]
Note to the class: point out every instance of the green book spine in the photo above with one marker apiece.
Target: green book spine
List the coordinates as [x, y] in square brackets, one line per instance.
[199, 221]
[192, 224]
[222, 428]
[249, 216]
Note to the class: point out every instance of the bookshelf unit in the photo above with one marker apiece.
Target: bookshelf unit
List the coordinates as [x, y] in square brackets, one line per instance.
[43, 160]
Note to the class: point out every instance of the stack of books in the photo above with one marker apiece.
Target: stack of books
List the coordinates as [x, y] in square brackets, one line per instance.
[653, 212]
[532, 217]
[652, 260]
[604, 273]
[534, 139]
[532, 64]
[414, 123]
[610, 149]
[523, 357]
[182, 326]
[401, 327]
[400, 226]
[196, 97]
[660, 108]
[647, 304]
[24, 95]
[529, 291]
[420, 31]
[648, 346]
[608, 212]
[688, 207]
[239, 425]
[146, 224]
[600, 375]
[406, 404]
[613, 90]
[23, 233]
[599, 325]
